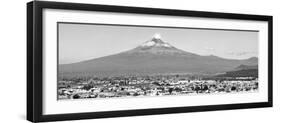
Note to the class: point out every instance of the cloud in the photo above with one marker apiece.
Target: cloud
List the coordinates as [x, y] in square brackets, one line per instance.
[241, 53]
[209, 48]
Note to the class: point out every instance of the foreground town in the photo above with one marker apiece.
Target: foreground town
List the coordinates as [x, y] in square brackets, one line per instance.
[133, 86]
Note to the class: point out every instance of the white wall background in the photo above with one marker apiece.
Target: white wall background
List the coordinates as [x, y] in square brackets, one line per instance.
[13, 61]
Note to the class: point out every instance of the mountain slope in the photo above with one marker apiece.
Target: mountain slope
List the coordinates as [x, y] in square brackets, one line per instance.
[242, 71]
[246, 67]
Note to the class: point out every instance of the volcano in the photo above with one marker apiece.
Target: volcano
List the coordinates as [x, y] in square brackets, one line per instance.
[157, 46]
[154, 56]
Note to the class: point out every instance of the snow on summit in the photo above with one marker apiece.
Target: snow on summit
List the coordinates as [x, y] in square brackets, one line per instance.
[156, 41]
[148, 44]
[157, 36]
[157, 46]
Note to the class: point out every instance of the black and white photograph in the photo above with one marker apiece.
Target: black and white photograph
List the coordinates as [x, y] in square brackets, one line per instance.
[99, 61]
[91, 61]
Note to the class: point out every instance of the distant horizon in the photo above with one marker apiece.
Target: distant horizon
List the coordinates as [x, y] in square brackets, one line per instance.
[82, 42]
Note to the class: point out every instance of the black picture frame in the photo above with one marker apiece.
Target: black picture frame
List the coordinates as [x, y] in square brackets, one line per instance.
[35, 59]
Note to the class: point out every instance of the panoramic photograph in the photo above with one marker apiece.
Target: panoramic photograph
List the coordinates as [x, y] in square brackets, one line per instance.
[99, 61]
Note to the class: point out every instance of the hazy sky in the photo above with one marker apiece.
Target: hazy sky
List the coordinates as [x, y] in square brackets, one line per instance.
[78, 42]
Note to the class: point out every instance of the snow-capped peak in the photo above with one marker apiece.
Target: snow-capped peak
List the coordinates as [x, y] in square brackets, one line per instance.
[157, 36]
[148, 44]
[156, 41]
